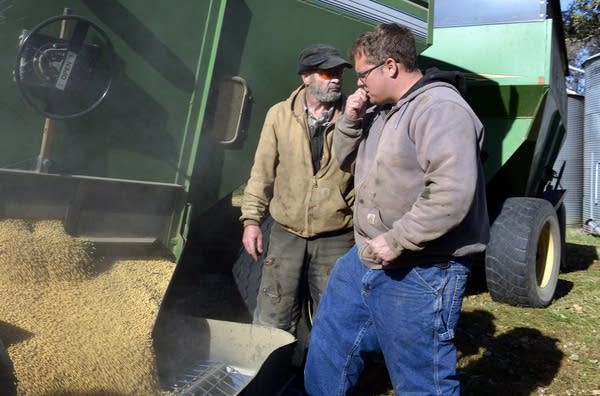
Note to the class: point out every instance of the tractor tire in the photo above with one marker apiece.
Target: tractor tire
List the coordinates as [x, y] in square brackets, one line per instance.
[524, 253]
[247, 272]
[562, 222]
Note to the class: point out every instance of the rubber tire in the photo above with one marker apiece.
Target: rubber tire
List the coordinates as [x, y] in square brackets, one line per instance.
[524, 253]
[247, 272]
[562, 221]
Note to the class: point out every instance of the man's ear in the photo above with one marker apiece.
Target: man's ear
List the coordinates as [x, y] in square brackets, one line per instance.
[392, 68]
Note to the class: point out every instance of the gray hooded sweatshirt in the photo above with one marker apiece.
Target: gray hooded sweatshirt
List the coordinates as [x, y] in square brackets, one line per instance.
[418, 175]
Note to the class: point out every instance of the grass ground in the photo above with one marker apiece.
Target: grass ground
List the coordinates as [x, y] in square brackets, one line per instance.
[506, 350]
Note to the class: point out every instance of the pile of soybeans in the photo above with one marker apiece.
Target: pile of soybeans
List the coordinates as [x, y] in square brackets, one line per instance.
[74, 323]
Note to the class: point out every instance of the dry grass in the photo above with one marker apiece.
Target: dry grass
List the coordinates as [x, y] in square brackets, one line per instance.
[549, 351]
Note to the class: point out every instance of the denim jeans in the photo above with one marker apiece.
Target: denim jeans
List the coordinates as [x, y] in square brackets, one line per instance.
[409, 314]
[291, 259]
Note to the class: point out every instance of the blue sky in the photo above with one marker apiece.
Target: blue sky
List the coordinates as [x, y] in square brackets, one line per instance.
[564, 4]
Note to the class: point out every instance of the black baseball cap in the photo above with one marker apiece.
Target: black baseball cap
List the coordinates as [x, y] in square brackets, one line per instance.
[320, 57]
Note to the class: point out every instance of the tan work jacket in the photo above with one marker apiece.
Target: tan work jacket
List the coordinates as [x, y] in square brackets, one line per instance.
[282, 181]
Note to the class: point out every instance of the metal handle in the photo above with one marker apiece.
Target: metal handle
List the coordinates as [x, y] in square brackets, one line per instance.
[241, 111]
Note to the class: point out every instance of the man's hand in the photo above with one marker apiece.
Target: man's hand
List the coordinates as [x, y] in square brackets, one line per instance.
[380, 250]
[253, 240]
[356, 105]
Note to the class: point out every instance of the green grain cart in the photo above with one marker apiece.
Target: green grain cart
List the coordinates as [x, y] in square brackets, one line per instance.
[135, 121]
[513, 54]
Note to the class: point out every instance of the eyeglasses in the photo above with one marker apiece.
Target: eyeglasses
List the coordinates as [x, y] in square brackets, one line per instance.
[362, 76]
[329, 74]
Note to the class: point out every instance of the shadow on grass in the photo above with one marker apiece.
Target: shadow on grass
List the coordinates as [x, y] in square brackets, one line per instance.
[476, 283]
[579, 257]
[513, 363]
[563, 288]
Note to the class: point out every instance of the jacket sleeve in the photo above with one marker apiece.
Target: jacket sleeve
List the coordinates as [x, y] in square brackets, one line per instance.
[346, 138]
[446, 140]
[259, 189]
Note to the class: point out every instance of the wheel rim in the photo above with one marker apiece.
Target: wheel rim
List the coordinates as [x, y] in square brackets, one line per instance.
[545, 256]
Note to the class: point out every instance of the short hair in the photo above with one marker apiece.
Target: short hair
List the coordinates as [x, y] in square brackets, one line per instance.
[387, 40]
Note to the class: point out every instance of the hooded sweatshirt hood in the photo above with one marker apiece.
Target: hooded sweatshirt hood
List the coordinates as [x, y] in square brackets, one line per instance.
[433, 74]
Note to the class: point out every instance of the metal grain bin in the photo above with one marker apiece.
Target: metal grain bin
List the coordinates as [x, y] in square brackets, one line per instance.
[591, 140]
[571, 154]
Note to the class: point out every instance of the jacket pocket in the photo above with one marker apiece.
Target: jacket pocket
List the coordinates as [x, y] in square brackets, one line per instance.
[333, 209]
[371, 222]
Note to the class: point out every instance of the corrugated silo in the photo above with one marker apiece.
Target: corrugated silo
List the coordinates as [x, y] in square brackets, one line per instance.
[571, 154]
[591, 140]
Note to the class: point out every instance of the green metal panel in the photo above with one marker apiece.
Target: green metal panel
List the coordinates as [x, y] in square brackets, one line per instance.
[146, 128]
[275, 32]
[21, 128]
[149, 126]
[156, 123]
[510, 68]
[416, 8]
[500, 146]
[260, 42]
[139, 132]
[507, 54]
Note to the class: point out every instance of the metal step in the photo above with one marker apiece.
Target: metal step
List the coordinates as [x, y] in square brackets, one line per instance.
[201, 356]
[212, 379]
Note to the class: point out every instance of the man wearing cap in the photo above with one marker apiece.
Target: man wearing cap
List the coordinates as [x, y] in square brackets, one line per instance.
[296, 179]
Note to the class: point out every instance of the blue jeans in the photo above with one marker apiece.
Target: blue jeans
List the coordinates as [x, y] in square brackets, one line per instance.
[409, 314]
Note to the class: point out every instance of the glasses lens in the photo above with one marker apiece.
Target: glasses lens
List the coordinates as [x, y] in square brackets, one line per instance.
[331, 73]
[365, 74]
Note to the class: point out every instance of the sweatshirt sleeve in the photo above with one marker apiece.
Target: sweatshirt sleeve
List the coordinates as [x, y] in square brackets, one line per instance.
[446, 141]
[346, 139]
[259, 189]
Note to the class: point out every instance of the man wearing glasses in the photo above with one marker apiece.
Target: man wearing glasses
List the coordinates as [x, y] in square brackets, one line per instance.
[297, 179]
[419, 212]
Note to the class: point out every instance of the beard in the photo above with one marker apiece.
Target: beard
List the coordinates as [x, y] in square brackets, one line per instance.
[324, 96]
